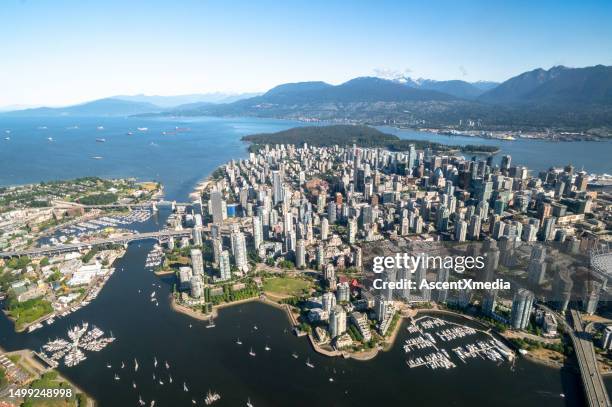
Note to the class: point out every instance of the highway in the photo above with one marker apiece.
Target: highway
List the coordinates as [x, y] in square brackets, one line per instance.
[43, 251]
[594, 387]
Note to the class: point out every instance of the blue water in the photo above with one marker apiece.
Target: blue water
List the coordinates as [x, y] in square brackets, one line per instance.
[177, 160]
[537, 155]
[180, 160]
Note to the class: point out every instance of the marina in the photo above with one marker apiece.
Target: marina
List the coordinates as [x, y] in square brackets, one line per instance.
[80, 339]
[436, 356]
[155, 257]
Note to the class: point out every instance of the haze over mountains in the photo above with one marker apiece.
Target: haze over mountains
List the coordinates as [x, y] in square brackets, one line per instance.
[173, 101]
[561, 97]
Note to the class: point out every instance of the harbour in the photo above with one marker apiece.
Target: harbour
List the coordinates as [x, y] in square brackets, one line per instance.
[146, 326]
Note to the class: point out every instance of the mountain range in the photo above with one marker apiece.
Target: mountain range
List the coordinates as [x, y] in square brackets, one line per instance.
[575, 99]
[173, 101]
[457, 88]
[126, 105]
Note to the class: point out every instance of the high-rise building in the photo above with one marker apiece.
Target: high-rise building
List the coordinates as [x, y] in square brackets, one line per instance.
[548, 228]
[321, 202]
[521, 309]
[343, 292]
[331, 212]
[277, 186]
[225, 268]
[358, 258]
[197, 236]
[352, 230]
[300, 254]
[461, 231]
[337, 321]
[562, 288]
[606, 340]
[330, 276]
[257, 232]
[404, 275]
[380, 308]
[329, 301]
[197, 286]
[390, 274]
[197, 262]
[489, 301]
[216, 203]
[324, 228]
[474, 228]
[239, 250]
[404, 226]
[217, 249]
[590, 297]
[536, 270]
[320, 256]
[442, 219]
[442, 277]
[505, 162]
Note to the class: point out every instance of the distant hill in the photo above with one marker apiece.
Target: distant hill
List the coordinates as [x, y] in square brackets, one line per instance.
[178, 100]
[101, 107]
[485, 85]
[304, 97]
[558, 86]
[363, 89]
[457, 88]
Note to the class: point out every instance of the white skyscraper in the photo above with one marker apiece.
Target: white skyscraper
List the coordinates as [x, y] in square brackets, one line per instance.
[324, 228]
[224, 265]
[240, 251]
[521, 309]
[343, 292]
[197, 236]
[257, 232]
[277, 187]
[217, 249]
[197, 286]
[352, 230]
[329, 301]
[337, 321]
[300, 254]
[197, 262]
[461, 231]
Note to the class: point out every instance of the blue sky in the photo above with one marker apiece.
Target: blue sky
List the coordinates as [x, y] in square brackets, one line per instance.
[66, 51]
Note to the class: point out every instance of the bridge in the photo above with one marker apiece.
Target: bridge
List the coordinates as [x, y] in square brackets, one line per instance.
[594, 387]
[143, 205]
[160, 236]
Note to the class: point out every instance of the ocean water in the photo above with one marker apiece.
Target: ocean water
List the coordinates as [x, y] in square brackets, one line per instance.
[177, 160]
[537, 155]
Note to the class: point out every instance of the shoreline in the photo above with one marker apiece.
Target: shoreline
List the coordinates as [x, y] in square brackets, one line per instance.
[33, 367]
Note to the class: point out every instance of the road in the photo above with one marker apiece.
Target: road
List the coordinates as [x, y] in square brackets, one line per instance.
[594, 387]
